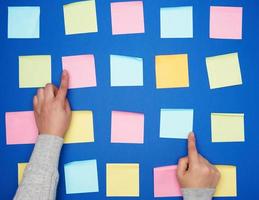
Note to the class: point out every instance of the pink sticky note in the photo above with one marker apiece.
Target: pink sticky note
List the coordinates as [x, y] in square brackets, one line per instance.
[127, 17]
[226, 22]
[127, 127]
[81, 69]
[20, 127]
[165, 182]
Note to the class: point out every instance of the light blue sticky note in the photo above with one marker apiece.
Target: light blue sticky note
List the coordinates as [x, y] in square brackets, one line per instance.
[176, 22]
[24, 22]
[176, 123]
[81, 177]
[126, 71]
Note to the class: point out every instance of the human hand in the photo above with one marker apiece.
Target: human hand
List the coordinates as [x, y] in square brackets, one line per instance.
[51, 108]
[194, 171]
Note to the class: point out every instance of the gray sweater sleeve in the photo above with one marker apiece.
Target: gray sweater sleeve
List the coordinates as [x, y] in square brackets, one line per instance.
[198, 194]
[41, 176]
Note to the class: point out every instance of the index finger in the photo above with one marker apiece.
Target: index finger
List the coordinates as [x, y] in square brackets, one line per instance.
[62, 91]
[193, 154]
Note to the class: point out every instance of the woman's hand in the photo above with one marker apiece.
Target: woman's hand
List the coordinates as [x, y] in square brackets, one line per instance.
[194, 171]
[51, 108]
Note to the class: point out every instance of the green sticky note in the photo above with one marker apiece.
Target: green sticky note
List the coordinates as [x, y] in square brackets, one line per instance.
[34, 71]
[80, 17]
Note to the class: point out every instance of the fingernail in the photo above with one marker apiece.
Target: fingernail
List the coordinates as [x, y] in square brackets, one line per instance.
[64, 73]
[192, 134]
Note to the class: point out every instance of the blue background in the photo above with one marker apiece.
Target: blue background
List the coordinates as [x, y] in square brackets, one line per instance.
[103, 99]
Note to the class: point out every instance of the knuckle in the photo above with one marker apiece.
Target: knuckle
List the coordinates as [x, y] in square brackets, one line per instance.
[206, 170]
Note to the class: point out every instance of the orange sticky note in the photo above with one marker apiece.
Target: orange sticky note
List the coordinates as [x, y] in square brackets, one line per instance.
[172, 71]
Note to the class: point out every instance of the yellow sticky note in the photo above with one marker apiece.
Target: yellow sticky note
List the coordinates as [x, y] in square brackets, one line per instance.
[227, 127]
[80, 17]
[122, 180]
[34, 71]
[21, 168]
[224, 70]
[172, 71]
[227, 186]
[81, 128]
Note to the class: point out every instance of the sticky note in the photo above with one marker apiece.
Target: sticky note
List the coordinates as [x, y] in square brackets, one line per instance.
[21, 168]
[24, 22]
[81, 128]
[176, 22]
[224, 71]
[227, 127]
[126, 71]
[80, 17]
[165, 182]
[81, 177]
[127, 17]
[34, 71]
[127, 127]
[172, 71]
[226, 22]
[81, 69]
[20, 127]
[122, 180]
[227, 186]
[176, 123]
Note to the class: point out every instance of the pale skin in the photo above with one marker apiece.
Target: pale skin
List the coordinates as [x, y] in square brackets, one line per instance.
[53, 115]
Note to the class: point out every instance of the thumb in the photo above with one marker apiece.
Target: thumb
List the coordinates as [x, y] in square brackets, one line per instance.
[182, 166]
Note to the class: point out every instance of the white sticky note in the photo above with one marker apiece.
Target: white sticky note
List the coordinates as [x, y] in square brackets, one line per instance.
[176, 123]
[81, 177]
[176, 22]
[126, 71]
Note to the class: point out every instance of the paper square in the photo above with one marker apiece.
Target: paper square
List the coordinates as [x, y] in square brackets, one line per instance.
[227, 127]
[20, 127]
[165, 182]
[176, 22]
[34, 71]
[126, 71]
[81, 128]
[176, 123]
[81, 69]
[127, 127]
[224, 71]
[24, 22]
[21, 168]
[226, 22]
[172, 71]
[80, 17]
[127, 17]
[81, 177]
[122, 180]
[227, 186]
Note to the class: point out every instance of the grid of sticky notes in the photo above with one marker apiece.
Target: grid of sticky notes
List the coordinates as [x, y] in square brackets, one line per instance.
[171, 72]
